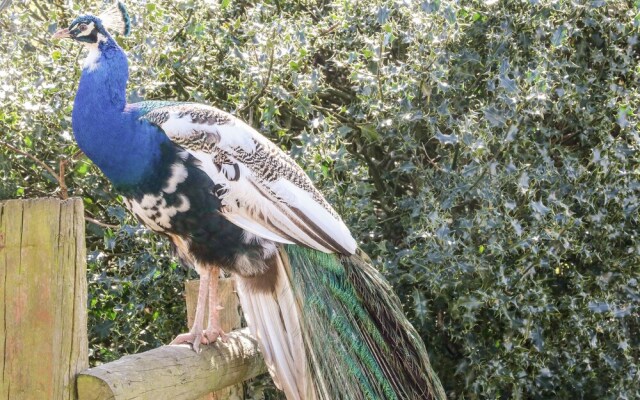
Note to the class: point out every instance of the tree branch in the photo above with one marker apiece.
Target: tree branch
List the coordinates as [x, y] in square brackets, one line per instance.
[58, 176]
[379, 71]
[34, 159]
[4, 4]
[64, 193]
[329, 29]
[99, 223]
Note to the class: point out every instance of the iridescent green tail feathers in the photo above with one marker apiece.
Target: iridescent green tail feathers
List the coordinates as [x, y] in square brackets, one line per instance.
[331, 328]
[359, 344]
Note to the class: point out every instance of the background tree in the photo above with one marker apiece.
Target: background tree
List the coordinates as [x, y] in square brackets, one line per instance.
[484, 154]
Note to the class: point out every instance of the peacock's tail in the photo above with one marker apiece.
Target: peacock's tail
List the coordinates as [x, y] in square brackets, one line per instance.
[331, 327]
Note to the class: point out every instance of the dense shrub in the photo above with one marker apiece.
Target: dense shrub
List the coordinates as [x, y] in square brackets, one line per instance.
[484, 153]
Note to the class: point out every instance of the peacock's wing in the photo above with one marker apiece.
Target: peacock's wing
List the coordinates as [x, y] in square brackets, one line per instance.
[264, 191]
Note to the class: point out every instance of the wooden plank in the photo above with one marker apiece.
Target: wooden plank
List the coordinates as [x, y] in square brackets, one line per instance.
[10, 222]
[43, 340]
[174, 372]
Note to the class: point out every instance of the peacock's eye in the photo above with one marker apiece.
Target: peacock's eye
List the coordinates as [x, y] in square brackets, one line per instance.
[82, 27]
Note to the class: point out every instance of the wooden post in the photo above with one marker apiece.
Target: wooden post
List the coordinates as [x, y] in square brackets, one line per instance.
[230, 319]
[43, 293]
[230, 315]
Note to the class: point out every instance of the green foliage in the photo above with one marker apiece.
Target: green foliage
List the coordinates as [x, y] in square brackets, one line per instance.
[484, 153]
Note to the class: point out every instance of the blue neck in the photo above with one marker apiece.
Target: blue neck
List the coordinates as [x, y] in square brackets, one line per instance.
[124, 148]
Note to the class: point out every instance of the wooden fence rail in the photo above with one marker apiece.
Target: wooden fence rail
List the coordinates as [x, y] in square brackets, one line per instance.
[174, 372]
[43, 322]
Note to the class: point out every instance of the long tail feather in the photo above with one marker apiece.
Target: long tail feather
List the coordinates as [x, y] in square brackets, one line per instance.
[273, 317]
[338, 317]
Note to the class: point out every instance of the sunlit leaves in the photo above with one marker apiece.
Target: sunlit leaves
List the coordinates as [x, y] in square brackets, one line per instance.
[484, 154]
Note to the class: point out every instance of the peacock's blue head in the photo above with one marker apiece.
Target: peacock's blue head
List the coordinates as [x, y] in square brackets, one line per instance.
[85, 29]
[90, 30]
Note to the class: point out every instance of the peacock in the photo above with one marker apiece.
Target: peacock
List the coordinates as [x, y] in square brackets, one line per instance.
[328, 324]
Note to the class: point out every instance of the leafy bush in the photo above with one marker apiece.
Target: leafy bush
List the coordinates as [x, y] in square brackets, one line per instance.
[485, 155]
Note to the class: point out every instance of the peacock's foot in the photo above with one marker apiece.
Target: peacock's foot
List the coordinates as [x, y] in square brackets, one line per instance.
[194, 339]
[212, 334]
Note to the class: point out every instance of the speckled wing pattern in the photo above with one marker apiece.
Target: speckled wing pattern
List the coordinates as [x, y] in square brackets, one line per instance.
[264, 191]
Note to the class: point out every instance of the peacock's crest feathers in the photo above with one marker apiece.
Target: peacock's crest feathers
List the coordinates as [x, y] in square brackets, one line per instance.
[116, 19]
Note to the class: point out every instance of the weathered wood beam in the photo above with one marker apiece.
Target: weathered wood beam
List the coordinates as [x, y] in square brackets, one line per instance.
[174, 372]
[43, 295]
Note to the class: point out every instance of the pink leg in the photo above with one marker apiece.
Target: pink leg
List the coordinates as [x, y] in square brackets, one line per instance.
[214, 330]
[195, 334]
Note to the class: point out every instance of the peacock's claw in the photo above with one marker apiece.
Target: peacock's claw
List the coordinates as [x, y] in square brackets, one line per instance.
[212, 334]
[194, 339]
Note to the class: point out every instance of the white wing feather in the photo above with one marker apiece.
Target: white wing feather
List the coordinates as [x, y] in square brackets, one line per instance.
[265, 192]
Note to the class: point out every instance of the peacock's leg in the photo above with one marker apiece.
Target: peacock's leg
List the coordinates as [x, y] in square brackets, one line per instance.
[214, 330]
[195, 334]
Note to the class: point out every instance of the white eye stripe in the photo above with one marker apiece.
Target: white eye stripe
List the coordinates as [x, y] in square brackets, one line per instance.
[87, 31]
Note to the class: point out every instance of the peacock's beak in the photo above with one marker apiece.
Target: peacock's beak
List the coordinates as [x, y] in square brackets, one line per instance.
[61, 34]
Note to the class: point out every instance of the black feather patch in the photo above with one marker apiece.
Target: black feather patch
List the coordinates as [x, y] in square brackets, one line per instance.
[199, 232]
